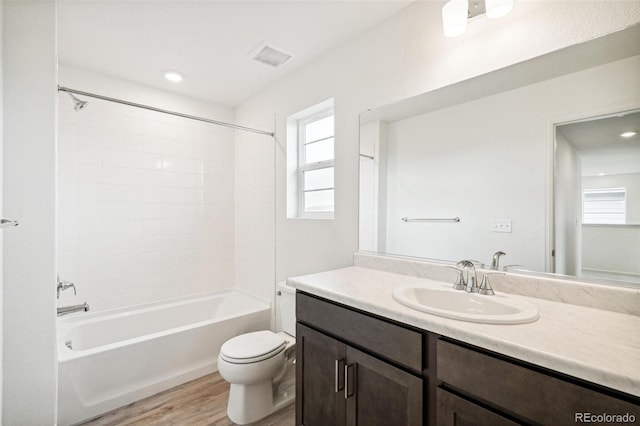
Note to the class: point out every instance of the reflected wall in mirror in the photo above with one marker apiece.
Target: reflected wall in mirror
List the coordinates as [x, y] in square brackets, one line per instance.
[597, 197]
[483, 151]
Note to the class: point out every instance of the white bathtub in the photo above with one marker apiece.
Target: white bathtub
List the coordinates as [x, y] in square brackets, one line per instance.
[122, 355]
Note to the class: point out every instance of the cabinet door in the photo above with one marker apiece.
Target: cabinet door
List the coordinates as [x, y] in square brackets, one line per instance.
[456, 411]
[319, 379]
[378, 394]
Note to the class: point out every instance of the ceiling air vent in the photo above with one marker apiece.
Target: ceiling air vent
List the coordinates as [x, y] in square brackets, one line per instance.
[270, 56]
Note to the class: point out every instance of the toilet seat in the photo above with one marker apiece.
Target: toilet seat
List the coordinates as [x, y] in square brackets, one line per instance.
[252, 347]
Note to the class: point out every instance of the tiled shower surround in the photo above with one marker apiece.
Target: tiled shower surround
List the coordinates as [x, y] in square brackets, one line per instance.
[145, 205]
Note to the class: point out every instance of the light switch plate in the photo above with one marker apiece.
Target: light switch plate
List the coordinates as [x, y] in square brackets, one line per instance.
[503, 225]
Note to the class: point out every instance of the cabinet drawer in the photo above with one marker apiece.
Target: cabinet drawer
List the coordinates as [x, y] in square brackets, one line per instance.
[522, 391]
[456, 411]
[396, 343]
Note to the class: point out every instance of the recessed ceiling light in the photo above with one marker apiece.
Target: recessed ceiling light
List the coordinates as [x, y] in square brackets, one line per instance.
[628, 134]
[602, 174]
[174, 76]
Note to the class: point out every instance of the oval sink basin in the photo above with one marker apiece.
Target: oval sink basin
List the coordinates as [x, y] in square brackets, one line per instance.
[457, 304]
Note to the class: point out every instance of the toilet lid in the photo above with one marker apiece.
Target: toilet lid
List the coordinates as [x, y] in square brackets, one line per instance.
[254, 346]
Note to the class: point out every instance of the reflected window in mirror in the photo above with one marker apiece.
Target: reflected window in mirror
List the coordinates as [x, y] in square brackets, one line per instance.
[605, 206]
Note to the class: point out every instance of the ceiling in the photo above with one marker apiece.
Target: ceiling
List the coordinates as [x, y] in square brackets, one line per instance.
[208, 41]
[600, 146]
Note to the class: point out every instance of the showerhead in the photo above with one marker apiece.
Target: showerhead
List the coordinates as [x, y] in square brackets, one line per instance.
[77, 103]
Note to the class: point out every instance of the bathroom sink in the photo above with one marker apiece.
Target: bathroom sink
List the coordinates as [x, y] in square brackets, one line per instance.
[472, 307]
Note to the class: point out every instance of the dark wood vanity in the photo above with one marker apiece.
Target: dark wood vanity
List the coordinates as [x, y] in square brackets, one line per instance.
[354, 367]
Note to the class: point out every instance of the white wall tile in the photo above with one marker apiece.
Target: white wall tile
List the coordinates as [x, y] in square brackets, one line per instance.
[112, 119]
[133, 142]
[132, 159]
[89, 135]
[112, 156]
[89, 154]
[135, 222]
[134, 125]
[67, 249]
[89, 173]
[113, 139]
[132, 177]
[112, 175]
[91, 117]
[67, 172]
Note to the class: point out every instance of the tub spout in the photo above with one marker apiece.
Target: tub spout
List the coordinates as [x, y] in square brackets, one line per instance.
[64, 310]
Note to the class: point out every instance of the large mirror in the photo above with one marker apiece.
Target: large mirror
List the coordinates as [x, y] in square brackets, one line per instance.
[527, 160]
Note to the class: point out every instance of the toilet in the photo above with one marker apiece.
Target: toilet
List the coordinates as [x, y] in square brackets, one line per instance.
[260, 366]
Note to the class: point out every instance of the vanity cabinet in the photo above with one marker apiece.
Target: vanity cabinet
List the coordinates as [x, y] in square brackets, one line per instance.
[340, 384]
[358, 368]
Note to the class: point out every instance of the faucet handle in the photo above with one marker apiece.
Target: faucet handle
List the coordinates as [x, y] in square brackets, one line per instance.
[63, 285]
[460, 282]
[465, 263]
[485, 286]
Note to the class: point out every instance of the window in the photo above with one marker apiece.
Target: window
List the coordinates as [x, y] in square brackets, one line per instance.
[310, 162]
[604, 206]
[315, 164]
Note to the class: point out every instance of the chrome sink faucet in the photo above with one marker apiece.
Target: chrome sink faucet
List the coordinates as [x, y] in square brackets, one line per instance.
[467, 279]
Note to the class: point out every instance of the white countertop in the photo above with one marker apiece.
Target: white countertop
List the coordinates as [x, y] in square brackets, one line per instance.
[592, 344]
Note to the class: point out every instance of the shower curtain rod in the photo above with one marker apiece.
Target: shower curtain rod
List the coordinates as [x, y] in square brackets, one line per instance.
[164, 111]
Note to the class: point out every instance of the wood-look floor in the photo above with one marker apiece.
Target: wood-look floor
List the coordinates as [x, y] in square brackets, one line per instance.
[200, 402]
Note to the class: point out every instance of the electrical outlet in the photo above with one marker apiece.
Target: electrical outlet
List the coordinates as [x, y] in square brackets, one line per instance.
[501, 225]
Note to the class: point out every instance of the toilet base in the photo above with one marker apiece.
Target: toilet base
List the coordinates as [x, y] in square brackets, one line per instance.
[250, 403]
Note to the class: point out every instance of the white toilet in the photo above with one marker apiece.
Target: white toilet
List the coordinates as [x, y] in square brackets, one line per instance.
[260, 366]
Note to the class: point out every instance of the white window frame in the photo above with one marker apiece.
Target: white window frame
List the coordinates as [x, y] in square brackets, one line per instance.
[303, 166]
[622, 213]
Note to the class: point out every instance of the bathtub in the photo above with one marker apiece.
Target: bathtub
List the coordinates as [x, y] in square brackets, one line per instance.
[112, 358]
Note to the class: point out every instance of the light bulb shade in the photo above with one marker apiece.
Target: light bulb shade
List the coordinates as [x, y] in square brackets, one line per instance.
[498, 8]
[454, 17]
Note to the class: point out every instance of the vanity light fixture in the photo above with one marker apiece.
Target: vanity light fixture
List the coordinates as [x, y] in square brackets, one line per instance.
[628, 134]
[173, 76]
[456, 13]
[454, 17]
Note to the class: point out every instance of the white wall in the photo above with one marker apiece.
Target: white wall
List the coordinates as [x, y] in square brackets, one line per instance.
[30, 77]
[145, 208]
[599, 239]
[404, 56]
[568, 208]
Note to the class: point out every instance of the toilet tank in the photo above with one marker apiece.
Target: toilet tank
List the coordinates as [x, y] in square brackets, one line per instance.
[286, 308]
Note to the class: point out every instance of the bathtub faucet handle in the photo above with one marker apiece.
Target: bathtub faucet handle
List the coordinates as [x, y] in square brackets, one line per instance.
[63, 285]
